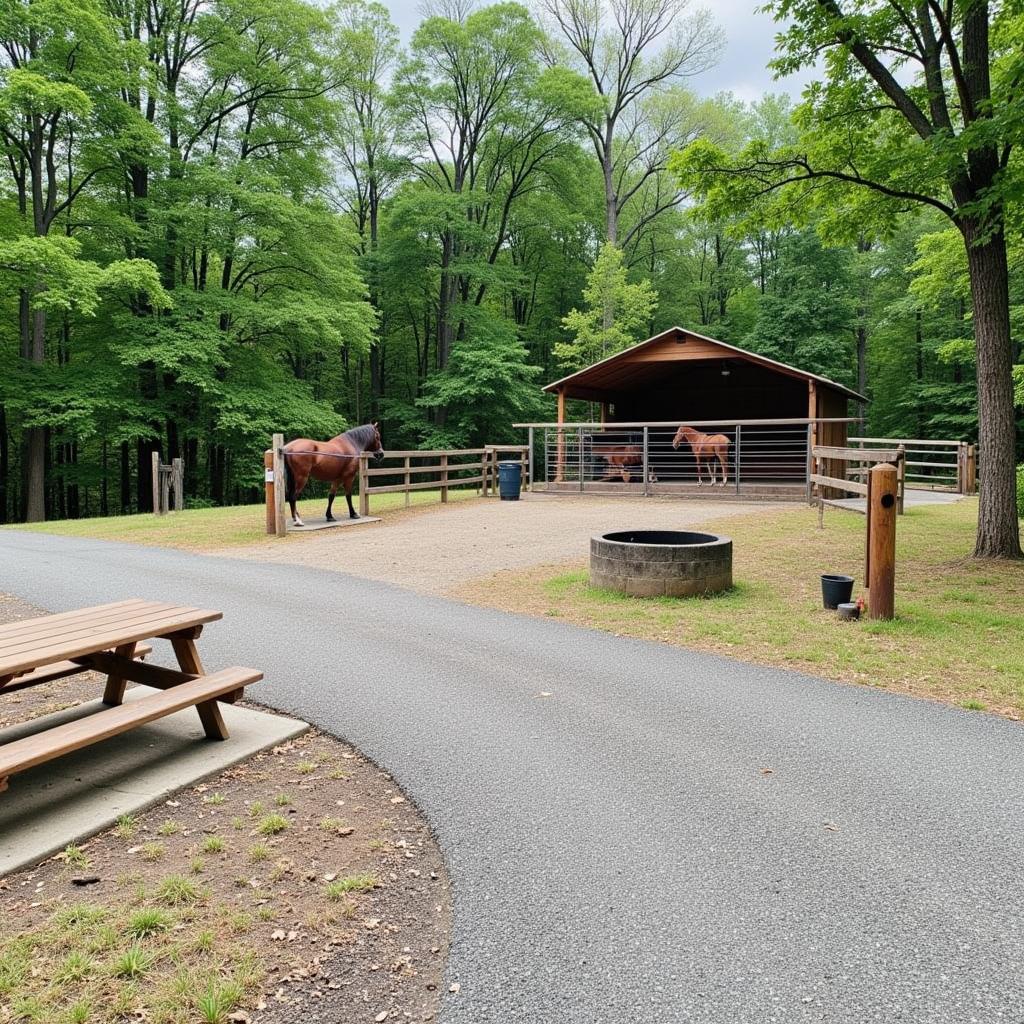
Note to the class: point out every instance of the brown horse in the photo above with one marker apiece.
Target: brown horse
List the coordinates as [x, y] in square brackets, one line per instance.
[336, 461]
[706, 446]
[621, 459]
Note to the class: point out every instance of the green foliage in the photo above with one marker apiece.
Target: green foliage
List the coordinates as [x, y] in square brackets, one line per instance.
[617, 315]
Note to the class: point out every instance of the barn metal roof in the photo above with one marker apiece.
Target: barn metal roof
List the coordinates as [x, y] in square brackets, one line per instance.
[614, 372]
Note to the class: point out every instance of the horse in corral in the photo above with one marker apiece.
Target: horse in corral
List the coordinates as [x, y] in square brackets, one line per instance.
[335, 461]
[706, 446]
[621, 458]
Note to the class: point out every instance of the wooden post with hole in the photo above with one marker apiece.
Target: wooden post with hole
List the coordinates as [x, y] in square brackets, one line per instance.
[268, 490]
[280, 485]
[883, 499]
[364, 485]
[155, 459]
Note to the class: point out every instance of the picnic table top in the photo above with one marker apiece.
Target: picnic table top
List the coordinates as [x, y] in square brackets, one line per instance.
[32, 643]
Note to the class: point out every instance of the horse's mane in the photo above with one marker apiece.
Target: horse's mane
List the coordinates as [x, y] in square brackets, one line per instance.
[362, 436]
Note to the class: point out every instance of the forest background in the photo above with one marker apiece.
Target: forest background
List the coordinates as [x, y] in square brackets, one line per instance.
[221, 219]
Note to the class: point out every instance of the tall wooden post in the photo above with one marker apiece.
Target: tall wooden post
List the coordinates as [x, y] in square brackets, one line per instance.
[364, 485]
[178, 483]
[444, 478]
[268, 487]
[280, 487]
[157, 508]
[560, 441]
[882, 541]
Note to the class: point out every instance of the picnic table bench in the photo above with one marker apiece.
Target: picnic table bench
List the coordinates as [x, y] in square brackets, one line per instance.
[110, 639]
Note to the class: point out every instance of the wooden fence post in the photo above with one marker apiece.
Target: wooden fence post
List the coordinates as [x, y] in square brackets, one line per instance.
[155, 458]
[268, 487]
[972, 469]
[280, 486]
[364, 484]
[407, 481]
[901, 477]
[178, 483]
[882, 541]
[444, 478]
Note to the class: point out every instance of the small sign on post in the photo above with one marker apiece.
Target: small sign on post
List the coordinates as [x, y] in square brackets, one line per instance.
[883, 501]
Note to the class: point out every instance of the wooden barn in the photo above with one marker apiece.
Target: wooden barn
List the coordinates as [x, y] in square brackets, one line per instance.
[769, 412]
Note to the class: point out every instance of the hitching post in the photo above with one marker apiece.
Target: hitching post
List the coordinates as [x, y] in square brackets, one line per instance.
[882, 541]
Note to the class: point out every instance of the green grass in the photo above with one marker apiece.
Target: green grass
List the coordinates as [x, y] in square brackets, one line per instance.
[956, 636]
[272, 824]
[340, 887]
[209, 528]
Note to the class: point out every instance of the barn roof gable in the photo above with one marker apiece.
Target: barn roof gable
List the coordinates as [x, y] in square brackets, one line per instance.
[583, 377]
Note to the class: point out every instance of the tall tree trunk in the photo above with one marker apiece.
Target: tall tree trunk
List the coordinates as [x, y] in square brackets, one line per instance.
[998, 527]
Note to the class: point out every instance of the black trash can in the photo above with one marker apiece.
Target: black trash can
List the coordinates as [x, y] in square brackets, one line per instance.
[836, 590]
[510, 480]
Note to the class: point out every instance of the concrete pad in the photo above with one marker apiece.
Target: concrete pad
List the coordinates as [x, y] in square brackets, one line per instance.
[72, 797]
[322, 524]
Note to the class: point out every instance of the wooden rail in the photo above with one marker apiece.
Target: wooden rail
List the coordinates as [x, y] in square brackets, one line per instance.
[940, 465]
[825, 460]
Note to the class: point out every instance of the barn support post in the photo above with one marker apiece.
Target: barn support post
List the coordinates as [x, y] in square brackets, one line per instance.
[647, 472]
[579, 448]
[736, 467]
[560, 440]
[810, 463]
[280, 485]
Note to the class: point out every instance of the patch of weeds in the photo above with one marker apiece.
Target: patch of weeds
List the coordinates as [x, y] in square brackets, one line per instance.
[126, 826]
[133, 962]
[152, 851]
[331, 824]
[352, 883]
[240, 923]
[238, 824]
[272, 824]
[75, 967]
[204, 941]
[149, 921]
[29, 1008]
[255, 810]
[74, 856]
[78, 914]
[306, 767]
[79, 1013]
[376, 844]
[212, 844]
[177, 890]
[338, 775]
[168, 828]
[259, 852]
[282, 800]
[196, 865]
[973, 704]
[265, 913]
[214, 799]
[219, 999]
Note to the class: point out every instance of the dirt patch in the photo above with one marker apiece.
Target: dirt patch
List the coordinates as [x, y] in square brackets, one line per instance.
[441, 549]
[300, 885]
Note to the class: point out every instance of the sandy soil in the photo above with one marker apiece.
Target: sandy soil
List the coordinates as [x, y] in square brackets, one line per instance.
[437, 550]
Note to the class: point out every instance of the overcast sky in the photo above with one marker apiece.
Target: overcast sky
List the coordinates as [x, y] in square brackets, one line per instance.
[742, 70]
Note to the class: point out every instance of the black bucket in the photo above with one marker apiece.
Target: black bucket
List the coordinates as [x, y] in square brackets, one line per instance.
[835, 590]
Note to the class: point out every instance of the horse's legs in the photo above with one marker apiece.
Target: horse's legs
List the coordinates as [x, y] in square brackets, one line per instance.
[700, 482]
[330, 501]
[725, 468]
[298, 487]
[352, 513]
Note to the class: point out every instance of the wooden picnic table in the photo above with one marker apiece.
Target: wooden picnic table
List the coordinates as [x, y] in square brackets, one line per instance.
[110, 639]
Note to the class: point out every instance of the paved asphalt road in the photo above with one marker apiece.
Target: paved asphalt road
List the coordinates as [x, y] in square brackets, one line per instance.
[618, 851]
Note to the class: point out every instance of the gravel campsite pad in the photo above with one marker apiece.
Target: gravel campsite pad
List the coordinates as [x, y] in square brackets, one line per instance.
[300, 885]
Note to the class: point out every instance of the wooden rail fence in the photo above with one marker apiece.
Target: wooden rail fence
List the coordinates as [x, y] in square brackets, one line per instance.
[830, 472]
[414, 470]
[932, 463]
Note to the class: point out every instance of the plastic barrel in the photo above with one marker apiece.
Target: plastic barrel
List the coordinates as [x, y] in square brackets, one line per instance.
[510, 480]
[835, 590]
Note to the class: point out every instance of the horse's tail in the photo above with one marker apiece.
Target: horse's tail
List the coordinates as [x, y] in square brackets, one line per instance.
[289, 480]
